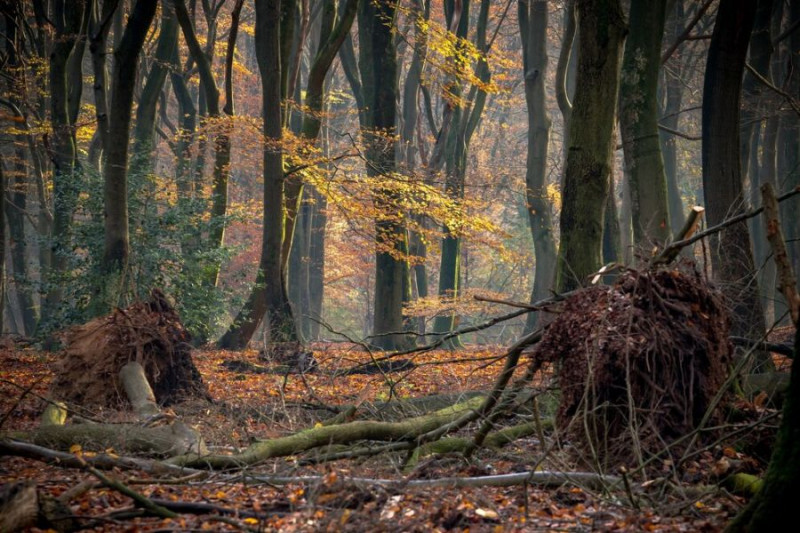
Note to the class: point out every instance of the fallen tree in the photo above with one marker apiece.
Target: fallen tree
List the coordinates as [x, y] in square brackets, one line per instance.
[149, 333]
[638, 362]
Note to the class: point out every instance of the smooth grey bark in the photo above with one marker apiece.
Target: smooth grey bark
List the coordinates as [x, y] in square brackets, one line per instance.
[673, 98]
[789, 142]
[755, 131]
[99, 28]
[268, 299]
[144, 132]
[335, 31]
[210, 97]
[377, 63]
[116, 244]
[533, 18]
[639, 124]
[417, 247]
[67, 19]
[303, 217]
[731, 254]
[464, 116]
[587, 180]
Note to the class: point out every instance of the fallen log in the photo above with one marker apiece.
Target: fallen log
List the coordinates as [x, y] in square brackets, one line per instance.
[405, 430]
[163, 441]
[541, 478]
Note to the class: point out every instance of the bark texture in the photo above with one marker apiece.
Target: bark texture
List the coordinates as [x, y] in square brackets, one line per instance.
[588, 174]
[731, 255]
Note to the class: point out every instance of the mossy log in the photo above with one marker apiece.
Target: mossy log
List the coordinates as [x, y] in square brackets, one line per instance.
[330, 435]
[162, 441]
[743, 484]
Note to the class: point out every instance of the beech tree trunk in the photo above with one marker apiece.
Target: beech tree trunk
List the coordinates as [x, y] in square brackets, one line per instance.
[378, 66]
[533, 28]
[731, 254]
[673, 97]
[601, 26]
[18, 180]
[68, 20]
[116, 246]
[268, 298]
[639, 124]
[774, 505]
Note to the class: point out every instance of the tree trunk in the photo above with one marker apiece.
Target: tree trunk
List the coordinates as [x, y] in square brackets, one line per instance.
[68, 18]
[378, 67]
[331, 38]
[639, 124]
[789, 142]
[673, 89]
[417, 247]
[98, 45]
[142, 161]
[463, 123]
[210, 97]
[758, 132]
[773, 506]
[18, 197]
[533, 28]
[116, 246]
[268, 298]
[589, 159]
[316, 261]
[731, 255]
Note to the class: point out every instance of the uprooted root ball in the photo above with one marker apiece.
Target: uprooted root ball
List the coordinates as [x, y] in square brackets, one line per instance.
[150, 333]
[638, 362]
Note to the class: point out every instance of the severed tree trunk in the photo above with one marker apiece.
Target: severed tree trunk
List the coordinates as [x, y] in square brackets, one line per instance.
[588, 174]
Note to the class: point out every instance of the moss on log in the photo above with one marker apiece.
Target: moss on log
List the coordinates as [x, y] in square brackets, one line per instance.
[329, 435]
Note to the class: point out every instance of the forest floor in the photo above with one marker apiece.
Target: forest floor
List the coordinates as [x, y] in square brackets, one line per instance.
[249, 406]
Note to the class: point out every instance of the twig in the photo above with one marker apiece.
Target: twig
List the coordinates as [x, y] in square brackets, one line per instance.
[541, 478]
[686, 31]
[783, 349]
[21, 397]
[764, 81]
[509, 303]
[120, 487]
[724, 224]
